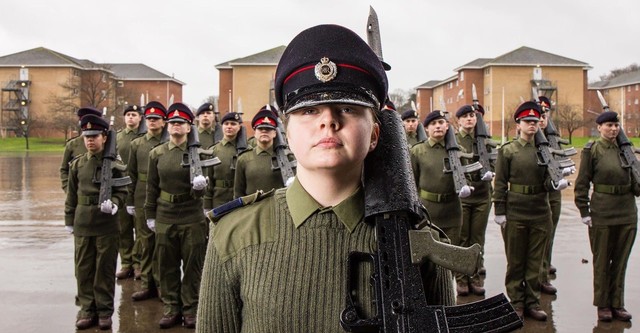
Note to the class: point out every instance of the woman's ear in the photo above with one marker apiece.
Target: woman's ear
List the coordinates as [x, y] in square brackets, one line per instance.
[375, 135]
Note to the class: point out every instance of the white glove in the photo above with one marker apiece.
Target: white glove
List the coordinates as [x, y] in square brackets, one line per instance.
[488, 176]
[465, 191]
[587, 220]
[151, 223]
[131, 210]
[200, 182]
[562, 184]
[501, 220]
[68, 228]
[108, 207]
[568, 171]
[289, 181]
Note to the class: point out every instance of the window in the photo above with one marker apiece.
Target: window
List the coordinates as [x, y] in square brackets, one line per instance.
[104, 77]
[76, 72]
[120, 84]
[636, 87]
[635, 102]
[487, 71]
[461, 76]
[450, 85]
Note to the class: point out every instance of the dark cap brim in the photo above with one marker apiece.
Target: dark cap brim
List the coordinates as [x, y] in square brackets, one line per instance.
[91, 132]
[177, 120]
[331, 97]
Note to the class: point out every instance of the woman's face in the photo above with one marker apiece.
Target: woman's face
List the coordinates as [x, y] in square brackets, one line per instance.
[332, 137]
[609, 130]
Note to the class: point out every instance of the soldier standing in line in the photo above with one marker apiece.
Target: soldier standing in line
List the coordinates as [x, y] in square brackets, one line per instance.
[74, 147]
[206, 119]
[174, 212]
[436, 188]
[611, 214]
[254, 169]
[522, 210]
[410, 120]
[132, 120]
[476, 207]
[138, 165]
[94, 226]
[220, 189]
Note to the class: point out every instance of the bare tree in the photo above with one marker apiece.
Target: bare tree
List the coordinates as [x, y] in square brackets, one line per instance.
[619, 71]
[569, 117]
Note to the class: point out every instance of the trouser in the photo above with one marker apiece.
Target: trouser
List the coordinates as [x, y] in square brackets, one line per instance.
[474, 227]
[146, 252]
[611, 247]
[556, 206]
[96, 258]
[525, 244]
[126, 238]
[180, 246]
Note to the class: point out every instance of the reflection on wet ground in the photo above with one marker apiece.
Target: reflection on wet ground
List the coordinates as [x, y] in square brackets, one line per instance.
[38, 285]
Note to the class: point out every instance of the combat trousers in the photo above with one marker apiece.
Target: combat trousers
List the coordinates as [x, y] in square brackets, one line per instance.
[96, 258]
[611, 247]
[180, 246]
[474, 227]
[556, 206]
[146, 253]
[525, 244]
[126, 238]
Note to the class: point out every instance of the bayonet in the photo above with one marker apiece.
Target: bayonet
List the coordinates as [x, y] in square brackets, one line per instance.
[605, 106]
[373, 33]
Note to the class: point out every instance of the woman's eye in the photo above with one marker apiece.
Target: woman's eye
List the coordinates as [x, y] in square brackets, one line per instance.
[347, 110]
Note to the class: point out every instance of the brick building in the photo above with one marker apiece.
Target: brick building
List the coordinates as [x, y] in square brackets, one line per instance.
[42, 89]
[622, 94]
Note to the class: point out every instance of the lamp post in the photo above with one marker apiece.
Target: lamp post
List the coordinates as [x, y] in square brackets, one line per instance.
[25, 131]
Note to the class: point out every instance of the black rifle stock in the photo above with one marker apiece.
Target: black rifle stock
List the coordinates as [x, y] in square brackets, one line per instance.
[109, 156]
[421, 134]
[545, 157]
[627, 155]
[452, 163]
[393, 206]
[483, 139]
[217, 129]
[280, 147]
[241, 145]
[194, 163]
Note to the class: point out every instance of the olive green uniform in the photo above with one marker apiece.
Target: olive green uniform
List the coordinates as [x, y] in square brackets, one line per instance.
[72, 149]
[476, 207]
[220, 189]
[206, 137]
[521, 187]
[436, 188]
[254, 171]
[412, 138]
[95, 236]
[181, 229]
[279, 265]
[614, 218]
[123, 142]
[138, 165]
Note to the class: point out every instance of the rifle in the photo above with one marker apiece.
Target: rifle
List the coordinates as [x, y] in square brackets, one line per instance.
[109, 156]
[393, 206]
[421, 134]
[193, 161]
[241, 138]
[483, 138]
[545, 158]
[217, 129]
[628, 158]
[452, 162]
[553, 136]
[281, 148]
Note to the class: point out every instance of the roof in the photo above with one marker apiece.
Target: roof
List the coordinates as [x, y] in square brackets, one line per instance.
[268, 57]
[478, 63]
[138, 72]
[618, 81]
[429, 84]
[43, 57]
[526, 56]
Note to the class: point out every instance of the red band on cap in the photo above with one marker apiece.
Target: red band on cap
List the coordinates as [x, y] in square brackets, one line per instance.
[306, 68]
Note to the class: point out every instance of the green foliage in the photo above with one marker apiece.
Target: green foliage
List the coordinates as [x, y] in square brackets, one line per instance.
[35, 144]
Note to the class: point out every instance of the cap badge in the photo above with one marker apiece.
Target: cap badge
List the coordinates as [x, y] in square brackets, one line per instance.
[532, 113]
[135, 108]
[236, 117]
[176, 114]
[152, 110]
[88, 125]
[266, 120]
[210, 106]
[326, 70]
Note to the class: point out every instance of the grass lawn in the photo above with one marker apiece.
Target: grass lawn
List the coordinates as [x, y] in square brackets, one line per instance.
[35, 144]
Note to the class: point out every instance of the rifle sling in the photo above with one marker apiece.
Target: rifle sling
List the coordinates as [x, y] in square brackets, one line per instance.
[526, 189]
[612, 189]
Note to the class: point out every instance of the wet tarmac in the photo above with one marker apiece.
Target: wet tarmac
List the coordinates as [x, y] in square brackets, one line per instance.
[37, 284]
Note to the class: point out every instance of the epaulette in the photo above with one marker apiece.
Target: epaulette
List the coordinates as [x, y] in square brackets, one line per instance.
[69, 139]
[118, 131]
[75, 158]
[215, 214]
[589, 144]
[249, 148]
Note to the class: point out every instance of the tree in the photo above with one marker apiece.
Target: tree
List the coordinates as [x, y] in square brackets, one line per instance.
[568, 117]
[619, 71]
[402, 99]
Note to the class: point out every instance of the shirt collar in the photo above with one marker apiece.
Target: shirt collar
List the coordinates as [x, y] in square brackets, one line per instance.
[433, 142]
[127, 130]
[607, 143]
[268, 150]
[207, 130]
[301, 205]
[182, 146]
[524, 142]
[464, 132]
[150, 136]
[225, 142]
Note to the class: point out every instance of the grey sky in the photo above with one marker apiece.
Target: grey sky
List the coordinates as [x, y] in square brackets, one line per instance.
[422, 40]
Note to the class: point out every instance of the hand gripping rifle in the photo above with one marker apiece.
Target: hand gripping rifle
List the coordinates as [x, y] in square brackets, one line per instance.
[452, 163]
[109, 157]
[554, 138]
[483, 138]
[193, 161]
[281, 149]
[627, 155]
[545, 158]
[392, 205]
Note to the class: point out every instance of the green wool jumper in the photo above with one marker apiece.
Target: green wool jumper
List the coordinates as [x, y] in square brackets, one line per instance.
[270, 268]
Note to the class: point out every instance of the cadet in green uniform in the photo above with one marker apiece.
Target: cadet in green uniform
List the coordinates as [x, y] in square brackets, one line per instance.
[174, 211]
[410, 120]
[220, 190]
[125, 136]
[279, 265]
[74, 147]
[206, 119]
[138, 165]
[476, 207]
[95, 228]
[610, 213]
[436, 188]
[522, 210]
[254, 170]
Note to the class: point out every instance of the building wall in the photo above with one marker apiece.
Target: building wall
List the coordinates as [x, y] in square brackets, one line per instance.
[251, 86]
[225, 76]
